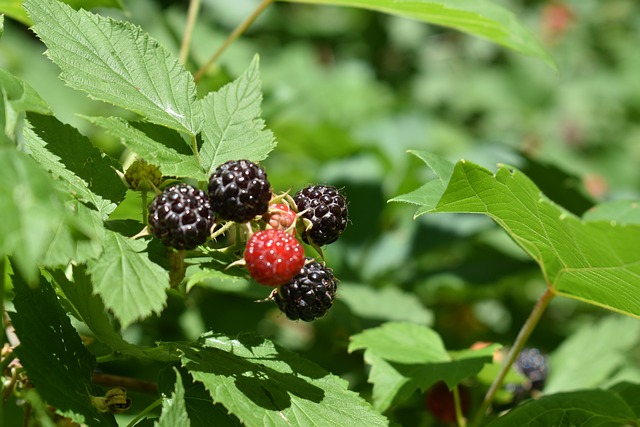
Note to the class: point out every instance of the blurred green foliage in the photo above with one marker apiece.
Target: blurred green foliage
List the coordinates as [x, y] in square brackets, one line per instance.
[347, 92]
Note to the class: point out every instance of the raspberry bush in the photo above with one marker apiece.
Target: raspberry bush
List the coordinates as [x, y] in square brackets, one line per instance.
[217, 280]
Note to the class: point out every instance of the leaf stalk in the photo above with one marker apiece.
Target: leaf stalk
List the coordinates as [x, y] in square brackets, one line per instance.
[518, 344]
[240, 29]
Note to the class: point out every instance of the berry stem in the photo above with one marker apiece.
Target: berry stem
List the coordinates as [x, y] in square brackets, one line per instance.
[192, 16]
[462, 422]
[145, 411]
[232, 37]
[194, 147]
[521, 339]
[145, 213]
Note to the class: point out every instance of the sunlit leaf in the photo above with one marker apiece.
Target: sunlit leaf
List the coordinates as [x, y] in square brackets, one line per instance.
[174, 410]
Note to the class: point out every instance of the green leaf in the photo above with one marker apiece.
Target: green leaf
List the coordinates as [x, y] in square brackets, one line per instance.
[166, 158]
[232, 126]
[481, 18]
[630, 393]
[264, 384]
[406, 356]
[389, 303]
[14, 9]
[117, 62]
[70, 156]
[87, 307]
[620, 212]
[174, 410]
[17, 98]
[592, 354]
[595, 262]
[589, 408]
[130, 284]
[31, 210]
[50, 349]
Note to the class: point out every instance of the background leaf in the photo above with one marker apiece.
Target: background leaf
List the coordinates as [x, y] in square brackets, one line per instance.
[232, 126]
[405, 357]
[595, 262]
[174, 410]
[589, 408]
[14, 9]
[119, 63]
[260, 383]
[480, 18]
[50, 349]
[129, 283]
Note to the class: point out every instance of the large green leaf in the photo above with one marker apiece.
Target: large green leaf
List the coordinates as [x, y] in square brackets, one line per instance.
[406, 356]
[50, 349]
[264, 384]
[87, 307]
[590, 408]
[233, 128]
[119, 63]
[130, 284]
[482, 18]
[14, 9]
[596, 262]
[166, 158]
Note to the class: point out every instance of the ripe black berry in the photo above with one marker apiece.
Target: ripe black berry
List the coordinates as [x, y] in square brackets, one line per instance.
[239, 190]
[533, 364]
[309, 294]
[181, 217]
[326, 208]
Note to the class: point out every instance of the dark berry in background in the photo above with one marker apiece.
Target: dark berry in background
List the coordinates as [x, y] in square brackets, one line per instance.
[326, 208]
[181, 217]
[239, 190]
[309, 295]
[533, 364]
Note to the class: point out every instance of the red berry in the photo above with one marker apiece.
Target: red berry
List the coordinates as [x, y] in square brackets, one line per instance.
[273, 257]
[281, 217]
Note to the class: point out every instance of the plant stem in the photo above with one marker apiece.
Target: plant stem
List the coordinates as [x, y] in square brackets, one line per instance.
[521, 339]
[232, 37]
[462, 422]
[145, 411]
[192, 16]
[144, 206]
[110, 380]
[194, 147]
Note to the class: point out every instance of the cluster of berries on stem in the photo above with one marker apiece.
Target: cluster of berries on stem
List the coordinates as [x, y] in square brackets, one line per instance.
[239, 193]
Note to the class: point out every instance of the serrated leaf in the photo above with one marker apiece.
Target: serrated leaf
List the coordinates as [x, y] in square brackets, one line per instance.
[17, 98]
[428, 194]
[481, 18]
[620, 212]
[31, 211]
[384, 304]
[70, 156]
[595, 262]
[589, 408]
[406, 356]
[89, 308]
[119, 63]
[167, 159]
[131, 286]
[264, 384]
[592, 354]
[50, 349]
[174, 410]
[232, 126]
[14, 9]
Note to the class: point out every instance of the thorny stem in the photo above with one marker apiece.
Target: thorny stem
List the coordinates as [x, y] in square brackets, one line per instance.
[232, 37]
[192, 16]
[462, 422]
[521, 339]
[145, 411]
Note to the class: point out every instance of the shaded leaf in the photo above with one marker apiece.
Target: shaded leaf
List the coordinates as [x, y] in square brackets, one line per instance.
[117, 62]
[481, 18]
[130, 284]
[232, 126]
[50, 349]
[167, 159]
[595, 262]
[589, 408]
[261, 383]
[630, 393]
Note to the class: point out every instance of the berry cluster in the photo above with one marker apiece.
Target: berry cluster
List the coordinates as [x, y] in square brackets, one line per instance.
[239, 192]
